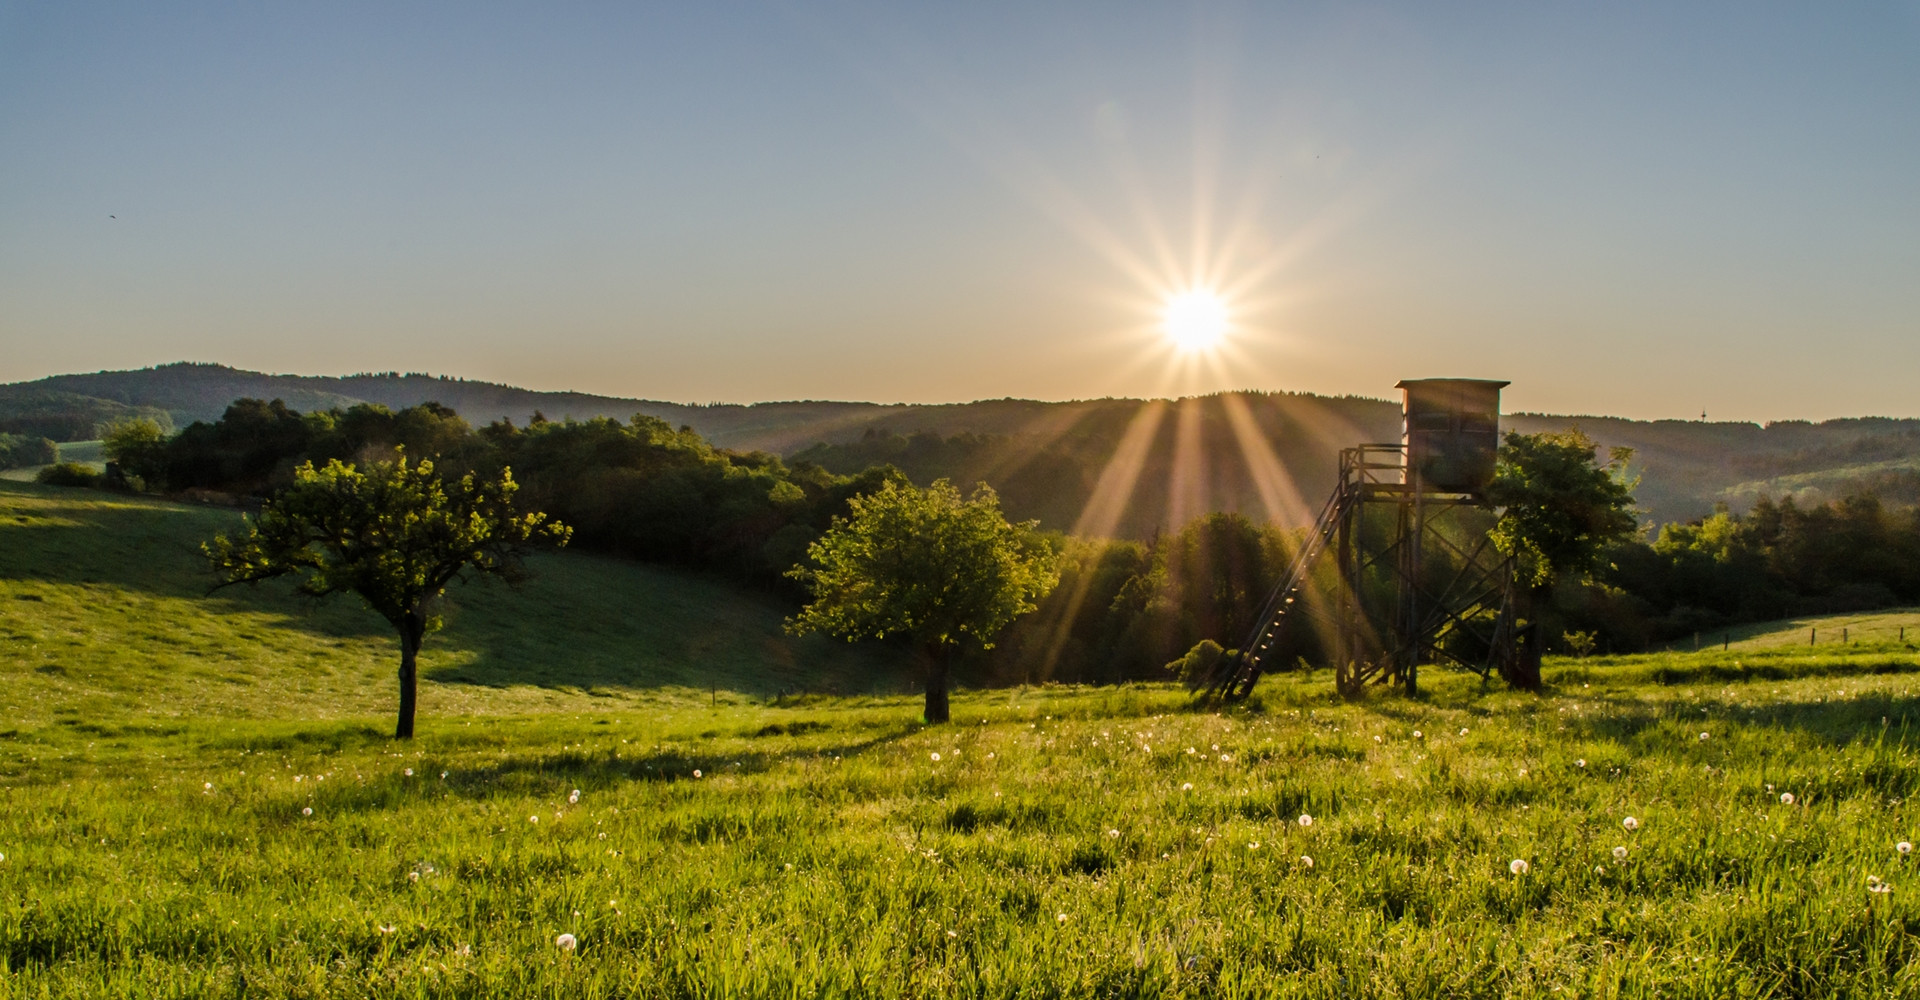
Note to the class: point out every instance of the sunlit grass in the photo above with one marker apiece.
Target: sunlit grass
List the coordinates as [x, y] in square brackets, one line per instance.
[1053, 841]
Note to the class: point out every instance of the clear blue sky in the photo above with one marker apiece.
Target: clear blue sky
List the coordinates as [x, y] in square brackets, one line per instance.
[1647, 210]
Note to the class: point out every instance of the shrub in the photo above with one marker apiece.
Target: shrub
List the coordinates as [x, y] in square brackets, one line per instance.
[68, 474]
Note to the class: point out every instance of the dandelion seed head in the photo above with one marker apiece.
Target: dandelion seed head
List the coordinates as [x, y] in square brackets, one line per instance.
[1630, 823]
[388, 928]
[573, 798]
[1786, 798]
[1463, 730]
[953, 934]
[1582, 762]
[1186, 786]
[1060, 918]
[443, 775]
[566, 942]
[413, 876]
[1518, 866]
[696, 773]
[306, 811]
[533, 819]
[1305, 820]
[208, 787]
[1903, 847]
[1226, 758]
[936, 756]
[409, 772]
[1306, 862]
[1619, 854]
[1253, 845]
[1703, 737]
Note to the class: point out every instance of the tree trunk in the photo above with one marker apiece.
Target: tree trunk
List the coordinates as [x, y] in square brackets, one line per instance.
[937, 654]
[413, 628]
[1533, 638]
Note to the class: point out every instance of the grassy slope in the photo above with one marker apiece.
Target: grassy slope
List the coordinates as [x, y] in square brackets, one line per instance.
[1052, 842]
[103, 609]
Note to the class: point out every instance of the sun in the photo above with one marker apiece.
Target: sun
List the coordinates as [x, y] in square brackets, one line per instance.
[1195, 320]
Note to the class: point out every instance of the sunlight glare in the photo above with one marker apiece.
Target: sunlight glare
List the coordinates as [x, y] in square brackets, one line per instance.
[1195, 320]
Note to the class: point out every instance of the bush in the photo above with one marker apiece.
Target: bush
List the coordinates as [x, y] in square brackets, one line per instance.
[1197, 667]
[68, 474]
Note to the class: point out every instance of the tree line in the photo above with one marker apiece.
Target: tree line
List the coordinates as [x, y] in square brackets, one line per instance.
[1123, 608]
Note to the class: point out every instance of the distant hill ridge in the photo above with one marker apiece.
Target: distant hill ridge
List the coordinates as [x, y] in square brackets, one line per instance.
[1686, 466]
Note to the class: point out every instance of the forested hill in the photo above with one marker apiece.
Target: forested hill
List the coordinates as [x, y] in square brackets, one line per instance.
[1258, 453]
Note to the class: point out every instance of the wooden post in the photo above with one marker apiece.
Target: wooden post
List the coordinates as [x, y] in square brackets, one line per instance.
[1726, 641]
[1813, 636]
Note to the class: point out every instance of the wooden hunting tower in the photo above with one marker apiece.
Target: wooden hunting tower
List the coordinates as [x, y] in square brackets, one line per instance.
[1418, 579]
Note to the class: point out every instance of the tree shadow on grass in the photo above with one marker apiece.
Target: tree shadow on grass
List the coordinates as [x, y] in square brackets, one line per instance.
[583, 621]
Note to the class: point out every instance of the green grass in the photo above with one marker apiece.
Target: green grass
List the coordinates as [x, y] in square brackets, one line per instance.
[152, 795]
[1896, 629]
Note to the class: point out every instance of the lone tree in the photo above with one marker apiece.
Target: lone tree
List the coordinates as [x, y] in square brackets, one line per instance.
[1562, 511]
[927, 564]
[396, 534]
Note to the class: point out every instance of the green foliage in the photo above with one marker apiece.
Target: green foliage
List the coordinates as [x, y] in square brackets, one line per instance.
[395, 534]
[1779, 559]
[68, 474]
[65, 416]
[927, 564]
[1581, 644]
[1562, 510]
[22, 451]
[1199, 663]
[137, 448]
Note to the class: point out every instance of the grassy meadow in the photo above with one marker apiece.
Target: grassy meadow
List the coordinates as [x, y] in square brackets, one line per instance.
[197, 798]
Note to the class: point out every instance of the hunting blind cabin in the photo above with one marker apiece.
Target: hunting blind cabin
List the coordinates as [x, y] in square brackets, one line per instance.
[1415, 576]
